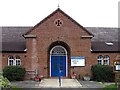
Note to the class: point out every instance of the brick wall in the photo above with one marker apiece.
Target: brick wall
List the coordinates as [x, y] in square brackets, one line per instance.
[69, 33]
[47, 36]
[6, 55]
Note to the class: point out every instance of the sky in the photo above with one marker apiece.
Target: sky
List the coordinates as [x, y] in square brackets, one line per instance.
[88, 13]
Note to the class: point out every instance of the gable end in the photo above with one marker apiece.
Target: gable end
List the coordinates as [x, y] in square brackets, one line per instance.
[58, 10]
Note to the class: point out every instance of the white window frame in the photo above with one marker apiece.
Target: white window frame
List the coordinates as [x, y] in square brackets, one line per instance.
[106, 58]
[100, 58]
[17, 59]
[10, 59]
[14, 60]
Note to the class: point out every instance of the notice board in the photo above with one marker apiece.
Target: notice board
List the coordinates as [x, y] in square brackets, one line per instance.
[77, 61]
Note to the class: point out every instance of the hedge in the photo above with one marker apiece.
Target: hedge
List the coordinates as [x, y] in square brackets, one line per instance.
[102, 73]
[14, 73]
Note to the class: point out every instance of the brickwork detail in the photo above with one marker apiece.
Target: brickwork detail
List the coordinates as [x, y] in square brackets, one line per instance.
[69, 33]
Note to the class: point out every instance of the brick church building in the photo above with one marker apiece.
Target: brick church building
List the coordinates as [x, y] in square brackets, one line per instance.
[58, 44]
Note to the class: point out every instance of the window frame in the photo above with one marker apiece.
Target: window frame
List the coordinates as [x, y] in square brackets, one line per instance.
[100, 58]
[15, 61]
[11, 59]
[103, 60]
[17, 58]
[106, 58]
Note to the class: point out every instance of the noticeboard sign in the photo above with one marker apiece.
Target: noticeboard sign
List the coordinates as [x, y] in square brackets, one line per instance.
[117, 67]
[116, 64]
[77, 61]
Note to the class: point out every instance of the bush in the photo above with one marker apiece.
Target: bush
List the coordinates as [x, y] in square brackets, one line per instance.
[4, 82]
[102, 73]
[14, 73]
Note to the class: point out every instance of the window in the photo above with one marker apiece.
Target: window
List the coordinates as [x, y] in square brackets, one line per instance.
[17, 59]
[14, 62]
[106, 60]
[103, 60]
[58, 22]
[100, 59]
[10, 61]
[58, 50]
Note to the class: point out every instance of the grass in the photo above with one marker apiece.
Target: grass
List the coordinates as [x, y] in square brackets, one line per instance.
[15, 88]
[110, 87]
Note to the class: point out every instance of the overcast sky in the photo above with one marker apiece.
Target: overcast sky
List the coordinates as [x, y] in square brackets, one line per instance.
[88, 13]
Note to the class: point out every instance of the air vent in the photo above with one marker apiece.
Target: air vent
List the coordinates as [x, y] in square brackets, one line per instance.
[58, 22]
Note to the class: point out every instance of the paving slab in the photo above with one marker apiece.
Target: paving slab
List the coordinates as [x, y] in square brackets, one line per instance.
[65, 83]
[91, 84]
[54, 83]
[26, 84]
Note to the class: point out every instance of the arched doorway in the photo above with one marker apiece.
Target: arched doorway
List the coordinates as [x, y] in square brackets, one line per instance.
[58, 61]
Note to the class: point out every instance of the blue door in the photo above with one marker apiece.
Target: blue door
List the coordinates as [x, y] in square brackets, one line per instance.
[58, 63]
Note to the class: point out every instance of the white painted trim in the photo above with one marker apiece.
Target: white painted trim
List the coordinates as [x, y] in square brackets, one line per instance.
[59, 55]
[66, 66]
[58, 46]
[30, 36]
[9, 61]
[14, 61]
[50, 65]
[86, 36]
[17, 60]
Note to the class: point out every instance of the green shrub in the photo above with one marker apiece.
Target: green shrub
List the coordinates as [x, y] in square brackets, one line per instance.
[14, 73]
[4, 82]
[102, 73]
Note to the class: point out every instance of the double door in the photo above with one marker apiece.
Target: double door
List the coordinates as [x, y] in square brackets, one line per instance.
[58, 65]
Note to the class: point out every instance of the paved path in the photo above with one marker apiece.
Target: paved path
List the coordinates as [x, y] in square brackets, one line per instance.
[53, 83]
[91, 84]
[26, 84]
[66, 83]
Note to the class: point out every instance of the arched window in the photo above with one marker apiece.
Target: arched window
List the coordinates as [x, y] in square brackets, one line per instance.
[106, 60]
[100, 59]
[10, 61]
[17, 60]
[58, 50]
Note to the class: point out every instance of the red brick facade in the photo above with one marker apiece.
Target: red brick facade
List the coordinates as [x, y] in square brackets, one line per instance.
[45, 35]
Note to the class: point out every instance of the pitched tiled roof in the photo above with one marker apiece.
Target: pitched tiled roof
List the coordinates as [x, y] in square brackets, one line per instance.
[12, 39]
[105, 39]
[104, 47]
[103, 34]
